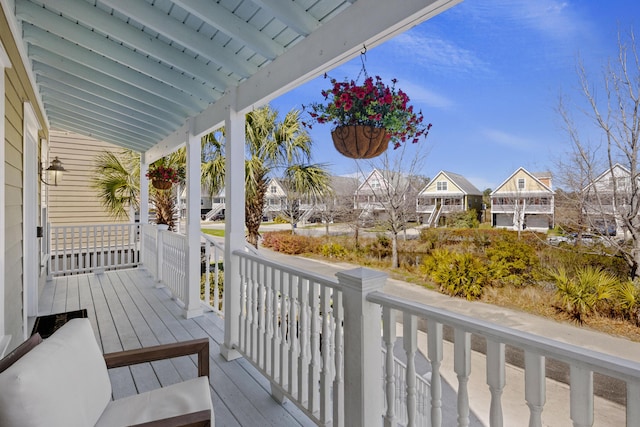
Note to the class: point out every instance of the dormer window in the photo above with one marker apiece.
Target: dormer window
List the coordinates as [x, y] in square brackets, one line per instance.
[441, 186]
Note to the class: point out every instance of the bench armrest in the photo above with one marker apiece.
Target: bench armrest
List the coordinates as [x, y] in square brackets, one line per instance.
[159, 352]
[194, 419]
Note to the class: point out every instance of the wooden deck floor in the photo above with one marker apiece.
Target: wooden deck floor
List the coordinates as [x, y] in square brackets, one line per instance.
[128, 312]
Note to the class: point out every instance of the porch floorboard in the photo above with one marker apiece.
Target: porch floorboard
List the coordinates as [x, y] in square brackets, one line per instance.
[127, 311]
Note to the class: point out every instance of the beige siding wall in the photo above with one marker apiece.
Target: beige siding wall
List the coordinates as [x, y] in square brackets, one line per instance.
[17, 90]
[433, 185]
[75, 201]
[531, 184]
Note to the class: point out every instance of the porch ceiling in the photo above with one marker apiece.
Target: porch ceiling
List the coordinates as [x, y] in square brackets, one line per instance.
[131, 72]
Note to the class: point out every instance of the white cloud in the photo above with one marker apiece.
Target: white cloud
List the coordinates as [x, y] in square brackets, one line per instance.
[430, 51]
[506, 139]
[551, 18]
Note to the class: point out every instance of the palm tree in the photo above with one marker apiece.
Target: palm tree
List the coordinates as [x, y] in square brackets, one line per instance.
[117, 180]
[271, 146]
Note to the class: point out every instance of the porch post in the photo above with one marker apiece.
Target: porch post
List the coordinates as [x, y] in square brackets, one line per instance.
[193, 307]
[362, 347]
[144, 189]
[143, 215]
[234, 237]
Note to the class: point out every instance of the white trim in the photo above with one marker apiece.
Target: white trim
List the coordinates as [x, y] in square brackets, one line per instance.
[4, 63]
[30, 258]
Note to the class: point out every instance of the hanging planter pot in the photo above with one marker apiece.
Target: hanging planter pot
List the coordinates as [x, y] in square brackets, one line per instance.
[360, 141]
[161, 184]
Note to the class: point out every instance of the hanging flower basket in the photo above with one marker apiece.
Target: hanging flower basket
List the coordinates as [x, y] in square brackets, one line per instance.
[163, 177]
[161, 184]
[360, 141]
[367, 116]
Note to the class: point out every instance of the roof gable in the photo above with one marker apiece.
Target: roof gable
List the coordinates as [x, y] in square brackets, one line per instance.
[532, 184]
[460, 183]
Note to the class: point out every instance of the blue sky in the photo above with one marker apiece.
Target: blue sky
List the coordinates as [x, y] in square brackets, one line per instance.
[488, 75]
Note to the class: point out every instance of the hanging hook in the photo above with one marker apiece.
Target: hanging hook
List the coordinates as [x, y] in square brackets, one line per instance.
[363, 57]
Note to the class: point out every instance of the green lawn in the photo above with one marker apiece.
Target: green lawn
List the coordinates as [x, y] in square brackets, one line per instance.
[216, 233]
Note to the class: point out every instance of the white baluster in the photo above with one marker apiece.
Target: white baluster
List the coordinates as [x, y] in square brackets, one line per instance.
[244, 280]
[253, 352]
[410, 339]
[338, 381]
[276, 313]
[285, 379]
[462, 368]
[303, 340]
[293, 335]
[434, 352]
[389, 337]
[534, 386]
[582, 396]
[264, 302]
[495, 380]
[325, 354]
[314, 365]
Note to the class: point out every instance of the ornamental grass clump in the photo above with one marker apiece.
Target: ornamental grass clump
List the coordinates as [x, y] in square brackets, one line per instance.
[372, 103]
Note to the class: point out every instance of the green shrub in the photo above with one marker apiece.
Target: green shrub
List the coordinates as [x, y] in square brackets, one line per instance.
[628, 301]
[463, 219]
[513, 262]
[333, 250]
[583, 292]
[457, 274]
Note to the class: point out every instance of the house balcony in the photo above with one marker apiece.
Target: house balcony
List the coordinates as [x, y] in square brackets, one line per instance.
[529, 209]
[343, 350]
[444, 208]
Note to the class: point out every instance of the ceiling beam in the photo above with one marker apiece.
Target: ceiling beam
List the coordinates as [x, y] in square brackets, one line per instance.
[94, 131]
[60, 108]
[45, 23]
[52, 96]
[152, 17]
[225, 21]
[292, 15]
[98, 63]
[91, 75]
[101, 94]
[116, 29]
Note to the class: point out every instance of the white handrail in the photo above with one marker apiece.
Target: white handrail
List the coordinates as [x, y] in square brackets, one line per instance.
[583, 362]
[93, 247]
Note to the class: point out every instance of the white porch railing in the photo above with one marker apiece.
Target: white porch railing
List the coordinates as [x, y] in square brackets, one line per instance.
[213, 261]
[76, 249]
[164, 257]
[315, 338]
[289, 329]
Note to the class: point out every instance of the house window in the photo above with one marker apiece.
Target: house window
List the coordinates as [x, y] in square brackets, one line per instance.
[521, 183]
[273, 189]
[375, 183]
[441, 186]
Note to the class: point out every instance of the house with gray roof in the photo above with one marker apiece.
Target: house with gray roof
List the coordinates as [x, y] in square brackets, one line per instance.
[446, 194]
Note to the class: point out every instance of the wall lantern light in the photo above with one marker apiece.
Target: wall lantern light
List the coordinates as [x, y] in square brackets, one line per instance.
[54, 172]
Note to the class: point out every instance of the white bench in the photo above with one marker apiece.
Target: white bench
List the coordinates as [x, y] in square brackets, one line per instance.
[63, 381]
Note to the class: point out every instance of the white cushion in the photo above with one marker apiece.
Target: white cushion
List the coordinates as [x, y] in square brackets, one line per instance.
[177, 399]
[61, 382]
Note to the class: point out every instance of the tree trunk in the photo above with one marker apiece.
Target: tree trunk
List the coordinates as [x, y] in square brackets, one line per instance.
[394, 250]
[253, 213]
